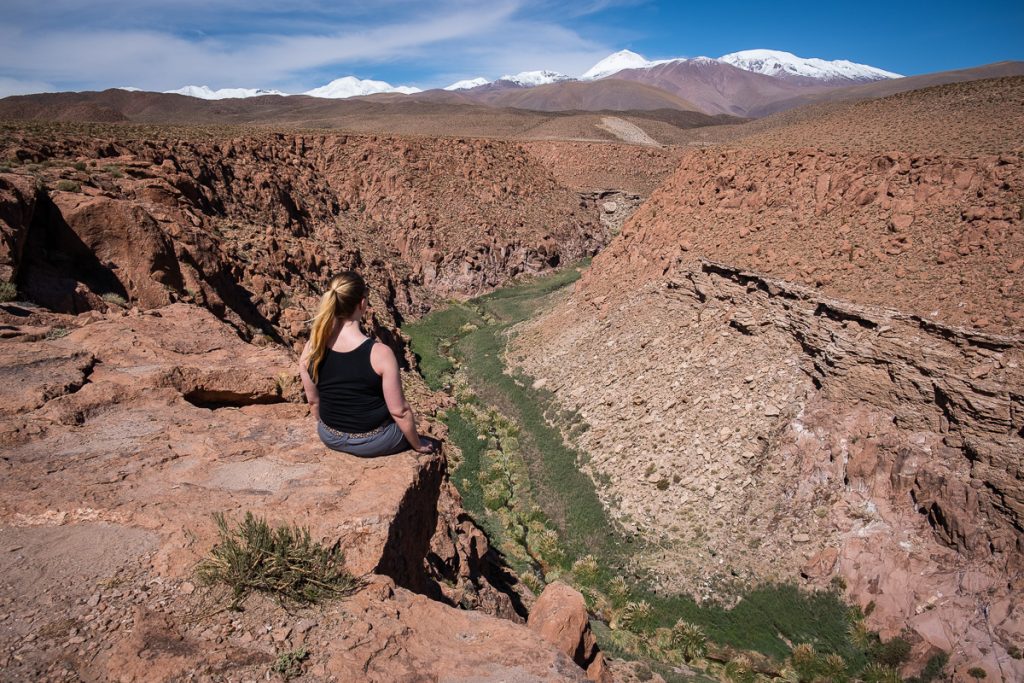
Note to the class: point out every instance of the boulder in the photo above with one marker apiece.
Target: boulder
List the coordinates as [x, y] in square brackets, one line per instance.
[560, 617]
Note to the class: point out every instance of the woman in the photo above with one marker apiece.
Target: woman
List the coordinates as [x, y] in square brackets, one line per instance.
[352, 382]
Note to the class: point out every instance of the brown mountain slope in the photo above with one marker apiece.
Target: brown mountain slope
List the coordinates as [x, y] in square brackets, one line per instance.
[891, 87]
[973, 117]
[609, 94]
[443, 115]
[805, 361]
[716, 87]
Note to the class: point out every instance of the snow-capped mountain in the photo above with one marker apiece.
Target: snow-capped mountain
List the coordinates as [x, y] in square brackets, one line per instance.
[617, 61]
[774, 63]
[528, 79]
[350, 86]
[787, 65]
[467, 84]
[206, 93]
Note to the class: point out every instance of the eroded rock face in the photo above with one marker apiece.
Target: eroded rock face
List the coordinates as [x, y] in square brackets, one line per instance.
[939, 236]
[252, 227]
[122, 435]
[765, 420]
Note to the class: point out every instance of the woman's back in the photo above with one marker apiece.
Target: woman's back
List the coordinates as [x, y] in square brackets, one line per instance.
[351, 392]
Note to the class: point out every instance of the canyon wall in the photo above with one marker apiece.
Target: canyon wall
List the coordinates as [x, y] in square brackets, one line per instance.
[805, 364]
[252, 226]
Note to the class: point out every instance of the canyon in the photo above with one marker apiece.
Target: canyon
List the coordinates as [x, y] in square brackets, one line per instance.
[797, 354]
[816, 351]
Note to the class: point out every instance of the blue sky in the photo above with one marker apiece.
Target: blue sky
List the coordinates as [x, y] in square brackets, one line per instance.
[294, 46]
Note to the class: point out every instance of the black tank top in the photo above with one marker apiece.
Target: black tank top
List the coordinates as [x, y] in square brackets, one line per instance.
[351, 393]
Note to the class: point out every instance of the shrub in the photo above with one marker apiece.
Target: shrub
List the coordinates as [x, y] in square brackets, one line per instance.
[68, 186]
[57, 332]
[977, 673]
[879, 673]
[114, 299]
[932, 671]
[739, 670]
[690, 640]
[289, 664]
[833, 668]
[629, 616]
[892, 653]
[586, 569]
[79, 165]
[284, 562]
[805, 661]
[8, 291]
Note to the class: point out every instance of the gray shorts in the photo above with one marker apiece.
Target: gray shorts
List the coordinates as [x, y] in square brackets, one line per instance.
[385, 442]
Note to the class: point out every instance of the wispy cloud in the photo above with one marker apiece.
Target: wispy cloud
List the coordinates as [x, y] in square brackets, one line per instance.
[258, 43]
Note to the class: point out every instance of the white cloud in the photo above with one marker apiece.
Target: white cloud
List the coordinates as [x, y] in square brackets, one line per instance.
[13, 86]
[449, 36]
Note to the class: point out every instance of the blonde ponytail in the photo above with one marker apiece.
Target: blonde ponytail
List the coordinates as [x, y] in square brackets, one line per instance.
[341, 299]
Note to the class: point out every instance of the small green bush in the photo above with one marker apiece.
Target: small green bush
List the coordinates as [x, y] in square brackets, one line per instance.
[283, 562]
[114, 299]
[690, 640]
[932, 671]
[8, 291]
[977, 673]
[290, 664]
[879, 673]
[892, 653]
[79, 165]
[68, 186]
[57, 332]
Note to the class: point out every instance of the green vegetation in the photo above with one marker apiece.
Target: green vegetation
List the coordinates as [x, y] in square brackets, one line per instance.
[283, 562]
[977, 673]
[57, 333]
[8, 291]
[933, 670]
[114, 299]
[79, 165]
[522, 483]
[68, 186]
[290, 664]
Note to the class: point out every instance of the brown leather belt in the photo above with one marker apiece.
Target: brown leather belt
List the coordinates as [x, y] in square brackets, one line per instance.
[356, 435]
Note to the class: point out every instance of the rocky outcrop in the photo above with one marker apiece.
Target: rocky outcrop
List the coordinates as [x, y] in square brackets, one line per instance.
[17, 203]
[934, 235]
[122, 433]
[560, 617]
[251, 227]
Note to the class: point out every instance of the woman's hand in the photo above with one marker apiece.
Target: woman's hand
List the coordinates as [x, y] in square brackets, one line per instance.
[426, 446]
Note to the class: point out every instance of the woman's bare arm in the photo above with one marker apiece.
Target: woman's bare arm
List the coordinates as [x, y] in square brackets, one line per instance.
[312, 395]
[383, 360]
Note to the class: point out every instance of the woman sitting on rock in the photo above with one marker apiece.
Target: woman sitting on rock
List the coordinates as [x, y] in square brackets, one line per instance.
[352, 382]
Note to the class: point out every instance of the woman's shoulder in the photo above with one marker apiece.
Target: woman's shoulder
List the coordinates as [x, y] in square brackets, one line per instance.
[382, 356]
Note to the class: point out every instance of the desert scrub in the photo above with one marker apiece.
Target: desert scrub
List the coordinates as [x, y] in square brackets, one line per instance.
[8, 291]
[689, 640]
[114, 299]
[290, 664]
[57, 333]
[283, 562]
[68, 186]
[879, 673]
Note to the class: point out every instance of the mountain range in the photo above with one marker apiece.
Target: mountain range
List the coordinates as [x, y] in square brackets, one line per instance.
[774, 63]
[746, 84]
